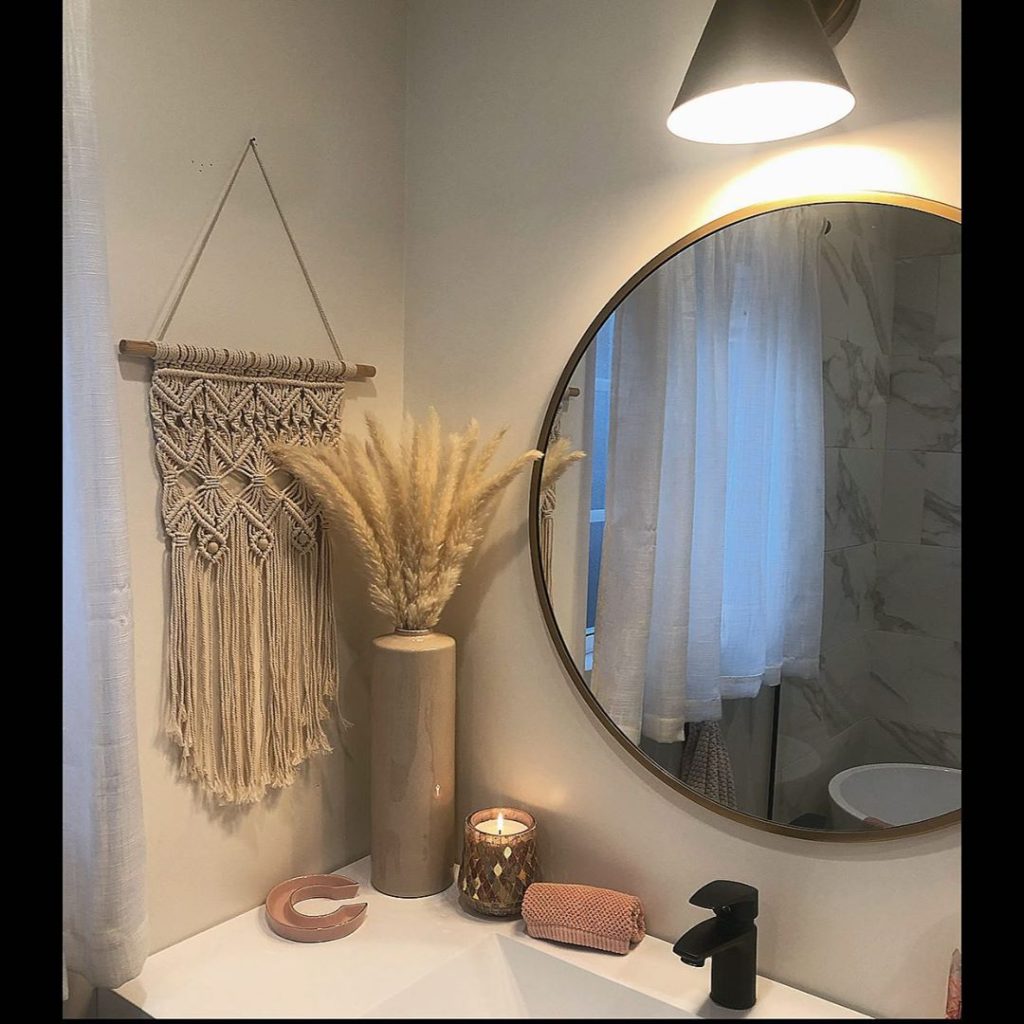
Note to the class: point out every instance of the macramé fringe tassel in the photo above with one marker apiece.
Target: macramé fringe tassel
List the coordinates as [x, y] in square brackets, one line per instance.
[239, 739]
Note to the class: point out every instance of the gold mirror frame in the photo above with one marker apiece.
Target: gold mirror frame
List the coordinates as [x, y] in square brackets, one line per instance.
[908, 202]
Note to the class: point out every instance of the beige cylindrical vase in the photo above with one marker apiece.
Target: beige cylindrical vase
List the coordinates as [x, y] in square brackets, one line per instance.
[412, 763]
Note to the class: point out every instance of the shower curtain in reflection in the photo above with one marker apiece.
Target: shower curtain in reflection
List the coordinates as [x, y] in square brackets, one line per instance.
[711, 566]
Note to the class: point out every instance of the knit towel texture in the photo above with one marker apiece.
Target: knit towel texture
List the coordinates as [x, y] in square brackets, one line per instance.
[583, 916]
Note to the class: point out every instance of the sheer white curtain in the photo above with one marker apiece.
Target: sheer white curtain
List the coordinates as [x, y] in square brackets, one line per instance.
[712, 558]
[104, 851]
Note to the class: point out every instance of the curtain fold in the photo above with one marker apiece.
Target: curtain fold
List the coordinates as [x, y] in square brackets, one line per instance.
[713, 546]
[103, 844]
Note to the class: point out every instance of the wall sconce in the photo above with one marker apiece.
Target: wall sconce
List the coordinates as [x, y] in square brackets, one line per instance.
[765, 70]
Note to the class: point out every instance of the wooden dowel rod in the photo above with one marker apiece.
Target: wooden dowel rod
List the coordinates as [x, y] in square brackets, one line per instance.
[137, 348]
[129, 347]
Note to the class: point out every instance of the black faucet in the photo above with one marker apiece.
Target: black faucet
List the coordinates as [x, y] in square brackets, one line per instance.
[729, 938]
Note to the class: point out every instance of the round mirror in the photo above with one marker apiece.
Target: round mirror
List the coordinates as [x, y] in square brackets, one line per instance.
[746, 527]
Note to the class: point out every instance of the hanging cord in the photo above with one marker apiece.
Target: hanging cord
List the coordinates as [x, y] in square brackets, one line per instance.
[295, 249]
[194, 262]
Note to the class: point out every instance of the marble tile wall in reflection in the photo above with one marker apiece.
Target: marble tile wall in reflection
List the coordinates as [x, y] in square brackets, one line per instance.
[924, 407]
[856, 387]
[835, 280]
[889, 687]
[915, 235]
[915, 680]
[917, 288]
[872, 296]
[857, 282]
[909, 743]
[947, 311]
[853, 496]
[917, 590]
[921, 498]
[924, 403]
[914, 687]
[940, 517]
[849, 594]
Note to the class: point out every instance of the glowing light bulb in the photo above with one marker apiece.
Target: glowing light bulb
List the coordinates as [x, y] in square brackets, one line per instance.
[760, 112]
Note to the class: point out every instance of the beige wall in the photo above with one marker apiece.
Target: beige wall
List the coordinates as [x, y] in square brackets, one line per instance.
[540, 176]
[180, 85]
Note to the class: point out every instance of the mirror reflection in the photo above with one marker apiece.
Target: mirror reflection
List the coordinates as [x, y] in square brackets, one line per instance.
[750, 516]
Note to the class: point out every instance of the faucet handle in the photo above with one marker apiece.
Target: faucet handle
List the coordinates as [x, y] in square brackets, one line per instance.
[735, 900]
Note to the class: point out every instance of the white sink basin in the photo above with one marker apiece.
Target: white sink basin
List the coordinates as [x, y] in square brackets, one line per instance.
[500, 977]
[429, 958]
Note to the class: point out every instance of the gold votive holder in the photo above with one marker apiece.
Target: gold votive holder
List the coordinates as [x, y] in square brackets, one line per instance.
[497, 867]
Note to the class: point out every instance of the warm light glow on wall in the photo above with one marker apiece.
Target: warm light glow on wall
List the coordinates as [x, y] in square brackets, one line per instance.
[816, 170]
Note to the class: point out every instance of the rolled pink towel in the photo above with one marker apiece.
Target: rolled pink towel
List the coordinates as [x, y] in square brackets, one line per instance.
[584, 916]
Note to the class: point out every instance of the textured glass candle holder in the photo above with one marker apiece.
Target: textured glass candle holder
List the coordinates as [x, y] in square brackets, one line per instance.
[496, 869]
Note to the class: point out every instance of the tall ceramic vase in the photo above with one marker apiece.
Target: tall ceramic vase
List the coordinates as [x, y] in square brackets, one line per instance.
[412, 763]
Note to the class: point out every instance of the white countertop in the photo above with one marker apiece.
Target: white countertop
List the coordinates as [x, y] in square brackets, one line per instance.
[242, 969]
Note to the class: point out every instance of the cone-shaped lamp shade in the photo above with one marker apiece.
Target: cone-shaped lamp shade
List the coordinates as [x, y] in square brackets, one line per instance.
[763, 70]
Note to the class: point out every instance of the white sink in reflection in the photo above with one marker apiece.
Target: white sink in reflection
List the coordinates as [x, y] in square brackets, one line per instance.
[500, 977]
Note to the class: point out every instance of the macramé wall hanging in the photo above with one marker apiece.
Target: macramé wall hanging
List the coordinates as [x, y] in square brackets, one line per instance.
[252, 665]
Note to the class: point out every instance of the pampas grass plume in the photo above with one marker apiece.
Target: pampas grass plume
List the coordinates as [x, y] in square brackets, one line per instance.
[416, 509]
[557, 459]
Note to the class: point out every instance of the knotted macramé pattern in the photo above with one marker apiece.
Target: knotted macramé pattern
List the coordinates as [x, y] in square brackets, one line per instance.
[252, 662]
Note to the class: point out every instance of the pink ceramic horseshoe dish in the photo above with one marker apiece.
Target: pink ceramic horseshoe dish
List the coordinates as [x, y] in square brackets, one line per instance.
[345, 919]
[289, 923]
[314, 891]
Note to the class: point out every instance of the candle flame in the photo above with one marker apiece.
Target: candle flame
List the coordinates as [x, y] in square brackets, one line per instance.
[501, 823]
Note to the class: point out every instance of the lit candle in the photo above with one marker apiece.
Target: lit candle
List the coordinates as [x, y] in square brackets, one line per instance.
[500, 827]
[499, 860]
